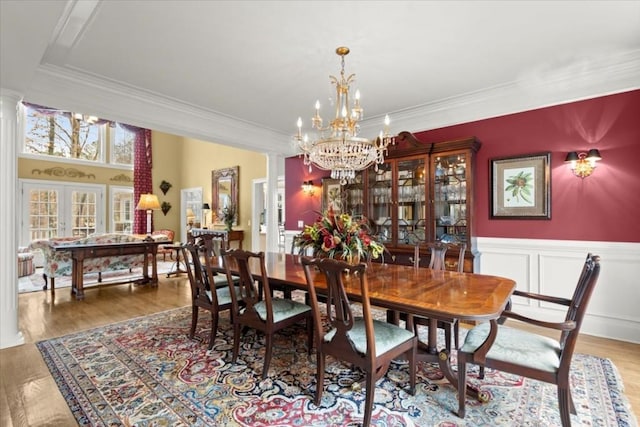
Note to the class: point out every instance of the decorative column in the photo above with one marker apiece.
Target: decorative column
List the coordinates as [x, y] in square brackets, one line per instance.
[273, 170]
[9, 334]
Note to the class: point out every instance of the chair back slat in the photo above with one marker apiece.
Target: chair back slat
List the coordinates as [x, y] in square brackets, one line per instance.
[200, 276]
[339, 309]
[240, 261]
[437, 253]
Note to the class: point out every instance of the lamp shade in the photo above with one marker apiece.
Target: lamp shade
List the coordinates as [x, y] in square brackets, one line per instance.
[148, 202]
[571, 157]
[205, 206]
[594, 154]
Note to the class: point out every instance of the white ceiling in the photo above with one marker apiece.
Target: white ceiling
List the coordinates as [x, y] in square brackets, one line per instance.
[241, 72]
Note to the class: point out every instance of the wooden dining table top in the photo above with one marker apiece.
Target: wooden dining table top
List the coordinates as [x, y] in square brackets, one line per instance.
[419, 291]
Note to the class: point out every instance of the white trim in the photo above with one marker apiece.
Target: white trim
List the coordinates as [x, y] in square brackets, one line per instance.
[73, 90]
[257, 205]
[185, 199]
[552, 267]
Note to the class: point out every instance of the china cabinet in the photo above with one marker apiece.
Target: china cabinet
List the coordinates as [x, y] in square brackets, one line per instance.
[423, 192]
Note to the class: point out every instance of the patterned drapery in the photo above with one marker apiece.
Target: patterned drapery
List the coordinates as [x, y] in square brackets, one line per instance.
[142, 165]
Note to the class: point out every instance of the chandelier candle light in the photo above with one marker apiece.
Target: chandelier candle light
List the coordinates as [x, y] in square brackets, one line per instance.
[338, 147]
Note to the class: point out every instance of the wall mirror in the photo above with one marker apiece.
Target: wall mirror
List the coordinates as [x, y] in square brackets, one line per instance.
[224, 192]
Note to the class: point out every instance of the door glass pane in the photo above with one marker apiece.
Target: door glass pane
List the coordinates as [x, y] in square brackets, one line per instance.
[353, 194]
[379, 202]
[122, 211]
[83, 213]
[411, 201]
[43, 214]
[450, 198]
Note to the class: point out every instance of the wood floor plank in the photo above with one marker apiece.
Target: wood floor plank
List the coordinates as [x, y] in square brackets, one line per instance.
[30, 397]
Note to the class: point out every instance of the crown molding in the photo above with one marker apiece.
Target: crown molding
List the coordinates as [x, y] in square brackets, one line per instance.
[573, 83]
[71, 90]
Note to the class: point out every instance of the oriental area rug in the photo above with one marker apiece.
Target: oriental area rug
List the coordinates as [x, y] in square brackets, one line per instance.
[147, 372]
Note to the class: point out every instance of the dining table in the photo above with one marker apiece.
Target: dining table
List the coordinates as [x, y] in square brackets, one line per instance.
[438, 295]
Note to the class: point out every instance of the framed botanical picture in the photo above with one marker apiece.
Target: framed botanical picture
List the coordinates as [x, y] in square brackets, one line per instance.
[332, 194]
[521, 187]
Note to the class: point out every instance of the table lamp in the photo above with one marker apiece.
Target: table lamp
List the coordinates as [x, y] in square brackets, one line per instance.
[148, 202]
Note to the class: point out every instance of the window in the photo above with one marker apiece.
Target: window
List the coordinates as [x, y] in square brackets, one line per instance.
[50, 132]
[68, 136]
[122, 209]
[122, 144]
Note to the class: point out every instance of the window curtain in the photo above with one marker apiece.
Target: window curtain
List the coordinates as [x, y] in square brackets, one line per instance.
[142, 165]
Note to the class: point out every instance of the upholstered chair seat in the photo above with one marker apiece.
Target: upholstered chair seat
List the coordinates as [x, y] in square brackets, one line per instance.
[223, 294]
[387, 336]
[517, 347]
[282, 309]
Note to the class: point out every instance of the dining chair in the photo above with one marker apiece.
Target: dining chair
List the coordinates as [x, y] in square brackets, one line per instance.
[437, 261]
[205, 292]
[364, 342]
[530, 354]
[261, 311]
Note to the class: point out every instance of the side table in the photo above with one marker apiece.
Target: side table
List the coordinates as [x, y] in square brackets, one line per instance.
[175, 268]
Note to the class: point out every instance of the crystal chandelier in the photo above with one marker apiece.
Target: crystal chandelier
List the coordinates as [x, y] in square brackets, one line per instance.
[337, 147]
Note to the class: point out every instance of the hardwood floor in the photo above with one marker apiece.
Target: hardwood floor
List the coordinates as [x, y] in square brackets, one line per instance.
[30, 397]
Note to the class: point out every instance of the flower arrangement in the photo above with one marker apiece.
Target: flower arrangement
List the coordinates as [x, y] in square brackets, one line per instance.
[339, 235]
[228, 215]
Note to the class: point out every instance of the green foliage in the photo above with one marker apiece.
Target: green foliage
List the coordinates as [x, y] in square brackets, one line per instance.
[520, 186]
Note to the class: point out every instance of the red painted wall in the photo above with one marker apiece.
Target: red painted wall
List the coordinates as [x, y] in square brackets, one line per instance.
[602, 207]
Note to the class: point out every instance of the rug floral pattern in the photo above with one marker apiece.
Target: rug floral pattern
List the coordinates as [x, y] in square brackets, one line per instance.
[147, 372]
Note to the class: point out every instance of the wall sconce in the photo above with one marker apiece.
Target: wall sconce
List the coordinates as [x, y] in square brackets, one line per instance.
[582, 164]
[308, 188]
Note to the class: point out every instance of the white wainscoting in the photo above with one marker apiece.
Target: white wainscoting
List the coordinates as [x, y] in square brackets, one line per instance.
[552, 267]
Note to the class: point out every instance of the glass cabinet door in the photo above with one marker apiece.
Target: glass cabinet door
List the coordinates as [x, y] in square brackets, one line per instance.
[450, 197]
[353, 196]
[410, 201]
[379, 202]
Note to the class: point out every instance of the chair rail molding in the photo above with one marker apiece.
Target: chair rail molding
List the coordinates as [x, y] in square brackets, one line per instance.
[552, 267]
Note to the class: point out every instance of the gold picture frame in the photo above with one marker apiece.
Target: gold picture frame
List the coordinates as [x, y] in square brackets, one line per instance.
[521, 187]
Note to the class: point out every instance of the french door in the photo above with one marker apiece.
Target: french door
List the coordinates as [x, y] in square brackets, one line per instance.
[60, 209]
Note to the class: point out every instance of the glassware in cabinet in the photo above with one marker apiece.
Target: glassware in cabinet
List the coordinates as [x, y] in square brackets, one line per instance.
[450, 197]
[379, 202]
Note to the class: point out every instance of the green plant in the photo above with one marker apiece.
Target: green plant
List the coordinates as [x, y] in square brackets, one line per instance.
[228, 215]
[520, 186]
